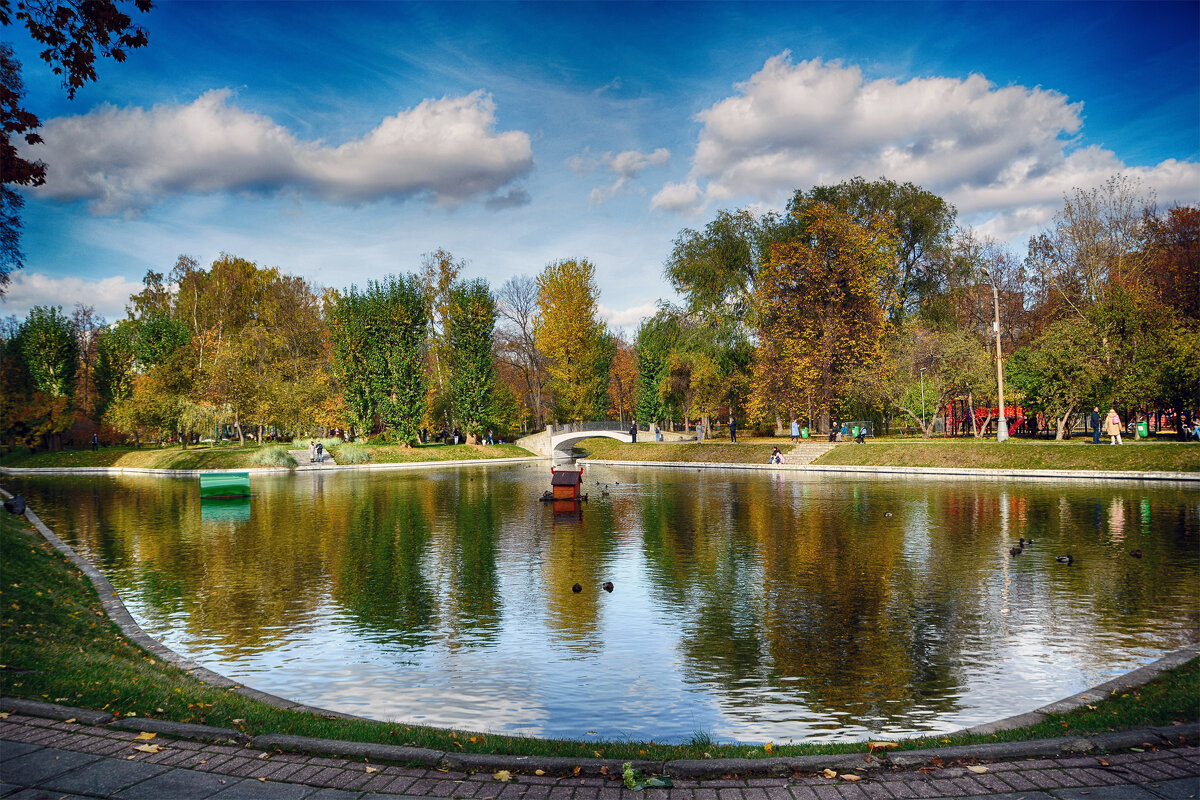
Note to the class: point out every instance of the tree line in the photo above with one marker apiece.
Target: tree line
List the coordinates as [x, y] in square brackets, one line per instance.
[862, 300]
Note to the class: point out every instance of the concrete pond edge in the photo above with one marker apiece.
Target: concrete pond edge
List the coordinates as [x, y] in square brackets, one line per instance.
[691, 769]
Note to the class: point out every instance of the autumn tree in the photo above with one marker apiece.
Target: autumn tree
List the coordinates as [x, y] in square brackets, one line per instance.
[469, 325]
[622, 379]
[574, 341]
[1051, 375]
[923, 224]
[1174, 259]
[822, 300]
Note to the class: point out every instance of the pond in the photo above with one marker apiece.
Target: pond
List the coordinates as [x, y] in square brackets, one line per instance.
[745, 605]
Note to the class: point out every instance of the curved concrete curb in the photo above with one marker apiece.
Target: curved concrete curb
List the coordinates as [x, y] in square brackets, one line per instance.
[189, 473]
[1041, 474]
[478, 762]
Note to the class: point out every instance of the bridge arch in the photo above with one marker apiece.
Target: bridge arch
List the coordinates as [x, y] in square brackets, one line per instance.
[558, 439]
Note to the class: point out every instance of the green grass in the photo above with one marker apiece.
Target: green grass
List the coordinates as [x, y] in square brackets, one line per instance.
[230, 456]
[1019, 454]
[398, 454]
[57, 645]
[1013, 454]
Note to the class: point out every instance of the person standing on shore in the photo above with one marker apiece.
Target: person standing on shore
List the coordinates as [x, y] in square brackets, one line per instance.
[1095, 424]
[795, 432]
[733, 429]
[1113, 427]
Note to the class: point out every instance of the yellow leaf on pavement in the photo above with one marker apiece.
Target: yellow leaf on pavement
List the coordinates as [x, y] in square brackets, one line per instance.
[148, 748]
[539, 772]
[978, 770]
[371, 769]
[847, 776]
[829, 774]
[144, 735]
[502, 775]
[4, 715]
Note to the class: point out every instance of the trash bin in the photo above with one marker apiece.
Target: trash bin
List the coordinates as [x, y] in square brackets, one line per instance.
[804, 433]
[855, 431]
[1143, 429]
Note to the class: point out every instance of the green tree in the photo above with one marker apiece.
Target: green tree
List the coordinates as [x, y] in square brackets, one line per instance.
[50, 351]
[574, 341]
[656, 340]
[470, 324]
[1054, 374]
[116, 355]
[378, 338]
[717, 269]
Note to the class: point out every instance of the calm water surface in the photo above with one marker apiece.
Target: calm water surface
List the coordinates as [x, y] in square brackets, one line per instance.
[749, 606]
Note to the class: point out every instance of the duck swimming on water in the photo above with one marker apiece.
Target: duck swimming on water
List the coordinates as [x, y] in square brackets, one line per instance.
[1064, 559]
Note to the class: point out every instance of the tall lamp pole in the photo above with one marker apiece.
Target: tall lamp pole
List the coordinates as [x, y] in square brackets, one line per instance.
[922, 401]
[1002, 421]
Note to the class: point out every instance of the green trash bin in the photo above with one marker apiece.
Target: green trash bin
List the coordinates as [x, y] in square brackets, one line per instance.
[1143, 429]
[804, 433]
[854, 431]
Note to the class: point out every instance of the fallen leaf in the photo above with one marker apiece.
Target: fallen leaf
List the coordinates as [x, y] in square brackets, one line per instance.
[263, 778]
[371, 769]
[235, 722]
[4, 715]
[829, 774]
[539, 772]
[144, 735]
[596, 753]
[148, 748]
[1103, 763]
[69, 721]
[849, 776]
[604, 769]
[575, 771]
[264, 755]
[978, 770]
[1137, 749]
[769, 747]
[882, 746]
[502, 775]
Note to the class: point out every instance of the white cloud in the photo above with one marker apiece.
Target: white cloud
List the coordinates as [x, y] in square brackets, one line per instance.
[124, 159]
[108, 296]
[629, 318]
[1005, 154]
[625, 165]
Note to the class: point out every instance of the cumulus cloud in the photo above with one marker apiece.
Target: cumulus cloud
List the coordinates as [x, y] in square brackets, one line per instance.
[998, 152]
[625, 165]
[28, 289]
[123, 159]
[627, 318]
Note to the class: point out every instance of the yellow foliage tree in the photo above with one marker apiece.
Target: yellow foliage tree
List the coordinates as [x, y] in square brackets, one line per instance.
[577, 347]
[822, 299]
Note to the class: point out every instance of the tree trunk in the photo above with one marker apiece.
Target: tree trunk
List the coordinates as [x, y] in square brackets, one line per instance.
[1061, 423]
[237, 423]
[183, 437]
[971, 411]
[260, 434]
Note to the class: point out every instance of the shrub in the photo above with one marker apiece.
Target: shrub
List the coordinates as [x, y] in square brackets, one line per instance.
[351, 454]
[273, 456]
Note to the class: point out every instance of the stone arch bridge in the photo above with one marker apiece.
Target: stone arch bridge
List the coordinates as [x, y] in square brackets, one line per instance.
[557, 440]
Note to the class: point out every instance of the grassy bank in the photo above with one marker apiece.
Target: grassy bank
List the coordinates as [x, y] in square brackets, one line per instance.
[1013, 454]
[57, 645]
[1019, 454]
[227, 456]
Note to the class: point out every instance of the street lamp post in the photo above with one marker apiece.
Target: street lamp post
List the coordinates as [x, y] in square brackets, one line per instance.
[922, 401]
[1002, 420]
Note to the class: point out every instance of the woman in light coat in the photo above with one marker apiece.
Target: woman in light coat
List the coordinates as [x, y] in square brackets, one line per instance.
[1112, 427]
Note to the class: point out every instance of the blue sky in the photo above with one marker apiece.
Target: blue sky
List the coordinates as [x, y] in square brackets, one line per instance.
[341, 141]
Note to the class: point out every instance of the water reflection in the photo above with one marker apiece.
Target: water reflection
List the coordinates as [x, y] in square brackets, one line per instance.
[751, 606]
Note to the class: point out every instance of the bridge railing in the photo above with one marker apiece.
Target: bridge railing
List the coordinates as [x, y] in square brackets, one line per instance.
[584, 427]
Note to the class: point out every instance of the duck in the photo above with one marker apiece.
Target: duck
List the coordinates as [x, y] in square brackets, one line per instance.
[607, 586]
[1014, 551]
[887, 513]
[1135, 553]
[577, 588]
[1063, 559]
[1025, 542]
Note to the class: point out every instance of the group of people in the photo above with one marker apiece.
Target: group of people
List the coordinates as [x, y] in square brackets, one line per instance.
[453, 436]
[316, 452]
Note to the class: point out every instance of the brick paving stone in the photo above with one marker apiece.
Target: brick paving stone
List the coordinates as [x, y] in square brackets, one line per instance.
[827, 792]
[463, 789]
[724, 783]
[921, 788]
[325, 777]
[875, 791]
[610, 793]
[751, 793]
[686, 783]
[729, 793]
[1019, 782]
[511, 791]
[705, 794]
[773, 793]
[1121, 758]
[351, 779]
[191, 761]
[223, 749]
[561, 793]
[1176, 768]
[803, 793]
[240, 767]
[1148, 771]
[764, 782]
[274, 770]
[1002, 766]
[585, 792]
[377, 783]
[991, 783]
[1104, 776]
[1065, 778]
[303, 774]
[1042, 779]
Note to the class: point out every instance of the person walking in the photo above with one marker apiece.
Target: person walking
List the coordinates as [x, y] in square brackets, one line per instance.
[795, 431]
[1095, 424]
[1112, 427]
[633, 432]
[95, 442]
[733, 429]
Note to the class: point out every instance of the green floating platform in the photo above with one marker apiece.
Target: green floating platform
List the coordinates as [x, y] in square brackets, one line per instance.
[224, 484]
[225, 509]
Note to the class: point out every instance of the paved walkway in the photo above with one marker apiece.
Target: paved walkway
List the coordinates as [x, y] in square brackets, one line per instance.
[50, 758]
